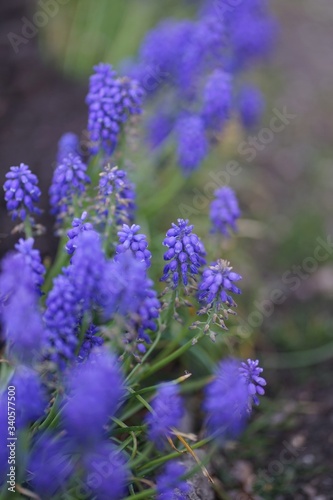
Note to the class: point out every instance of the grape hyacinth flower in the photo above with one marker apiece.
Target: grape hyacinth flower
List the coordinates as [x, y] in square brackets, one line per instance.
[168, 411]
[50, 466]
[62, 317]
[33, 260]
[95, 390]
[78, 225]
[224, 210]
[21, 192]
[251, 371]
[128, 292]
[116, 189]
[30, 396]
[137, 243]
[19, 312]
[69, 180]
[170, 485]
[192, 143]
[226, 401]
[68, 144]
[185, 252]
[217, 100]
[113, 481]
[90, 340]
[111, 102]
[216, 284]
[87, 269]
[251, 106]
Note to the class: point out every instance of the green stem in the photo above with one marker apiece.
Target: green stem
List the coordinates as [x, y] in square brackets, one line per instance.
[150, 350]
[143, 494]
[28, 228]
[60, 261]
[165, 361]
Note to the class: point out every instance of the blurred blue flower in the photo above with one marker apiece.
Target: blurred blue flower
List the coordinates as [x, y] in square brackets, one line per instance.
[226, 401]
[168, 410]
[21, 192]
[30, 396]
[192, 145]
[33, 260]
[217, 100]
[68, 144]
[94, 390]
[224, 210]
[185, 252]
[251, 105]
[216, 284]
[137, 243]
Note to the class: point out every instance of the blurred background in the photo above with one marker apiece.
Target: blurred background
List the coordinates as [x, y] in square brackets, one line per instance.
[284, 248]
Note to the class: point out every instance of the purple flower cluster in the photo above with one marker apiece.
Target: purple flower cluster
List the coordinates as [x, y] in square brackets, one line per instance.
[226, 401]
[69, 180]
[224, 210]
[251, 371]
[21, 192]
[128, 292]
[170, 485]
[197, 63]
[216, 284]
[111, 102]
[136, 243]
[30, 396]
[168, 410]
[33, 260]
[185, 252]
[95, 390]
[68, 144]
[19, 312]
[78, 226]
[117, 192]
[192, 143]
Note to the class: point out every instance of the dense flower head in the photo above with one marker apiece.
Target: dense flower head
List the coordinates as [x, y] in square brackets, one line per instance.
[185, 252]
[217, 100]
[128, 292]
[21, 192]
[62, 316]
[69, 180]
[94, 389]
[170, 485]
[91, 339]
[49, 466]
[116, 189]
[30, 396]
[168, 410]
[251, 105]
[224, 210]
[226, 401]
[115, 476]
[111, 102]
[87, 268]
[192, 145]
[68, 144]
[19, 312]
[33, 260]
[137, 243]
[251, 371]
[79, 225]
[216, 284]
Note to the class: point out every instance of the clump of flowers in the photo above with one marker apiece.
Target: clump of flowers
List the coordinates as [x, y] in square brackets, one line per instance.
[97, 365]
